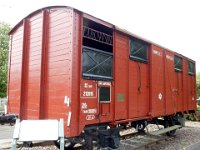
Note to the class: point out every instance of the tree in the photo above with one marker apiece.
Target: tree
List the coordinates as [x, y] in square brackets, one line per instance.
[198, 84]
[4, 48]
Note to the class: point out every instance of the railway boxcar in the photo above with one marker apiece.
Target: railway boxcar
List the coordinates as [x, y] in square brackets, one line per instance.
[99, 78]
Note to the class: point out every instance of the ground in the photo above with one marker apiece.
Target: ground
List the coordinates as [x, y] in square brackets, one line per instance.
[186, 138]
[6, 132]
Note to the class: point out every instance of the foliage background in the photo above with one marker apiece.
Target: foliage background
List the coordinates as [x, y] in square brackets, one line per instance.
[4, 50]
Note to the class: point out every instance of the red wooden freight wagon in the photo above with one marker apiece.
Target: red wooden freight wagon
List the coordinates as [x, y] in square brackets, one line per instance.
[67, 64]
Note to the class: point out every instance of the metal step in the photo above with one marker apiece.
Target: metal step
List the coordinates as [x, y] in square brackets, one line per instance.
[165, 130]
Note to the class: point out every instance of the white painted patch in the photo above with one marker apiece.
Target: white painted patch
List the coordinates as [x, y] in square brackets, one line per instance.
[90, 117]
[84, 106]
[160, 96]
[69, 118]
[157, 53]
[90, 111]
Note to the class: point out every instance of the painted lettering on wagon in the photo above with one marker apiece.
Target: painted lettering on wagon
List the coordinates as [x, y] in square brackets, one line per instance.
[90, 117]
[85, 110]
[86, 85]
[90, 111]
[104, 83]
[88, 94]
[157, 53]
[84, 106]
[169, 57]
[88, 89]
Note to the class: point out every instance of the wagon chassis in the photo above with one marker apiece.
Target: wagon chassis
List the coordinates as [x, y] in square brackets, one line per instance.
[131, 140]
[104, 136]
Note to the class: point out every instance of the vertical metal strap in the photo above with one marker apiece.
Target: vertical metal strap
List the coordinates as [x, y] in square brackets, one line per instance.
[44, 51]
[61, 134]
[23, 68]
[14, 143]
[16, 134]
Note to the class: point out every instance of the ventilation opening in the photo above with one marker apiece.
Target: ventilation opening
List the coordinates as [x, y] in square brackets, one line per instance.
[97, 53]
[138, 50]
[97, 36]
[177, 63]
[191, 68]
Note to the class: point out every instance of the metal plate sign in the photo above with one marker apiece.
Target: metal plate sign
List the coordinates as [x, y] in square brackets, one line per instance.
[38, 130]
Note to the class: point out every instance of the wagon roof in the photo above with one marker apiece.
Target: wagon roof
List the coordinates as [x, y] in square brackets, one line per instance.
[113, 26]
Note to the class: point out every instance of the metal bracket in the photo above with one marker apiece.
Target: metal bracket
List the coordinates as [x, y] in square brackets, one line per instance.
[16, 134]
[61, 134]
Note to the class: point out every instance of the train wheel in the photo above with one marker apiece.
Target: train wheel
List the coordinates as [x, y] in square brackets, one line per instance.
[168, 123]
[141, 127]
[69, 144]
[28, 144]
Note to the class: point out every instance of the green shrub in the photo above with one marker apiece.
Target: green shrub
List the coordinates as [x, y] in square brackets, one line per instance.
[190, 117]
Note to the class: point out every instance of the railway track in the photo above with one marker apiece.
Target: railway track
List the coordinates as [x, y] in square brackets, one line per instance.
[131, 140]
[136, 141]
[146, 139]
[141, 141]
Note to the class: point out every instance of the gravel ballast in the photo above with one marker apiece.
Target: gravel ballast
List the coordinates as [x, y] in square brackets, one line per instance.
[184, 139]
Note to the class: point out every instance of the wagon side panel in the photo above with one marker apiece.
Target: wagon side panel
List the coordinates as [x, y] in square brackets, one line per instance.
[75, 125]
[32, 68]
[170, 83]
[138, 89]
[59, 66]
[179, 90]
[185, 86]
[121, 76]
[191, 79]
[15, 71]
[157, 81]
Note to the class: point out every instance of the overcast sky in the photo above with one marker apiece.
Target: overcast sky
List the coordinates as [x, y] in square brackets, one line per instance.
[174, 24]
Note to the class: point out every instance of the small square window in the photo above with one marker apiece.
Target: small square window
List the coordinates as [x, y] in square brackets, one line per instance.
[191, 68]
[104, 94]
[177, 63]
[138, 50]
